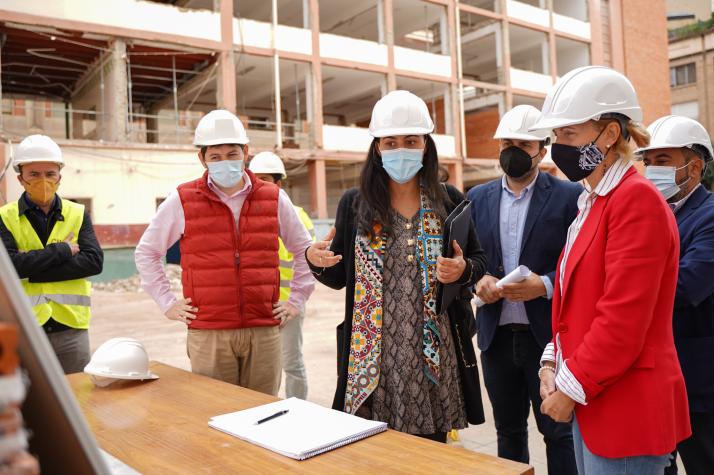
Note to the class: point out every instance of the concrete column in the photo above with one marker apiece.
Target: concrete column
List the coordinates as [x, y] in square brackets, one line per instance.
[388, 27]
[113, 127]
[152, 125]
[317, 176]
[456, 175]
[316, 76]
[226, 78]
[596, 45]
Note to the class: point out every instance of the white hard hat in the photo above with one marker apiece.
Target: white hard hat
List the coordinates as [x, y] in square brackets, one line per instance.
[119, 358]
[37, 148]
[516, 122]
[674, 131]
[587, 93]
[267, 162]
[400, 113]
[219, 127]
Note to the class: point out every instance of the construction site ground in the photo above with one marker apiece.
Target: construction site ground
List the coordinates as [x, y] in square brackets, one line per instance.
[128, 312]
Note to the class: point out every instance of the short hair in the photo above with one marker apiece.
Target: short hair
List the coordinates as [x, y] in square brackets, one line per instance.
[204, 148]
[276, 177]
[696, 151]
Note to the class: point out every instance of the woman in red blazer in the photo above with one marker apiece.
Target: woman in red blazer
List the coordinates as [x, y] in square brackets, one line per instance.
[612, 362]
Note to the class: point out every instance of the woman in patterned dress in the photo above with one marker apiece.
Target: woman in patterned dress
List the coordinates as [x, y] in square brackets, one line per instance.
[399, 361]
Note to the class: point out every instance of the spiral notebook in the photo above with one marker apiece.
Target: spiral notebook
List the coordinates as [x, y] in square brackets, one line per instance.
[306, 430]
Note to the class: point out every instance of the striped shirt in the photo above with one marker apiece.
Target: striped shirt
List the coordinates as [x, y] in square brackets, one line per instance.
[565, 381]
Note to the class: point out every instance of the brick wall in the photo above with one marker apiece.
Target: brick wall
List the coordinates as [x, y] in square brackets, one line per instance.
[480, 127]
[644, 25]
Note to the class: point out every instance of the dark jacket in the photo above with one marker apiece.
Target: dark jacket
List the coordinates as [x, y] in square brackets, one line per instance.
[553, 207]
[342, 275]
[693, 318]
[55, 262]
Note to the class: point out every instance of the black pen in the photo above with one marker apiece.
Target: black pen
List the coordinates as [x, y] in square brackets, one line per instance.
[277, 414]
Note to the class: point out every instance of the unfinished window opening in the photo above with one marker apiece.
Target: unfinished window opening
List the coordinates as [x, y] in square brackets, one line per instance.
[290, 12]
[362, 20]
[42, 74]
[571, 54]
[490, 5]
[577, 9]
[348, 95]
[481, 48]
[169, 90]
[296, 104]
[421, 25]
[255, 94]
[529, 50]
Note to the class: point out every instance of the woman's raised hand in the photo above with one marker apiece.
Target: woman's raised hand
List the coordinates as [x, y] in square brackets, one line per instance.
[319, 253]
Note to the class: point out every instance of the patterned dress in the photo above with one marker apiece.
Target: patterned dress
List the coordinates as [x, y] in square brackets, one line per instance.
[404, 397]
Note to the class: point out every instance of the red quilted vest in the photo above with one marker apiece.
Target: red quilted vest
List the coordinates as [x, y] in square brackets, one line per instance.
[230, 274]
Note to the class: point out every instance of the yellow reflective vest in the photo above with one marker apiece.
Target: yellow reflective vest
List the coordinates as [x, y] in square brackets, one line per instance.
[286, 259]
[67, 301]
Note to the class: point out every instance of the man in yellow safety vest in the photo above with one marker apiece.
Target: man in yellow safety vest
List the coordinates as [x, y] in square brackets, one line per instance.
[52, 245]
[269, 167]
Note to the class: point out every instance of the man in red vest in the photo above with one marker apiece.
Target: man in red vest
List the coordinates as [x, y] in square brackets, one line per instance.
[228, 223]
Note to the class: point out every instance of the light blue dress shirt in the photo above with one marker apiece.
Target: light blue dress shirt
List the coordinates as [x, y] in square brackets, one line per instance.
[512, 220]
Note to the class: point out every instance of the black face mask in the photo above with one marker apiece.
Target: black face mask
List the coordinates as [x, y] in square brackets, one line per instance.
[577, 162]
[515, 161]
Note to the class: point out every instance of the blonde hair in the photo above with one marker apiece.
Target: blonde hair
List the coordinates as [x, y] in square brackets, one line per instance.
[636, 131]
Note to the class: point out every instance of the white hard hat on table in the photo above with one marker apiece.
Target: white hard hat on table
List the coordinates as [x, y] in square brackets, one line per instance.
[267, 162]
[586, 94]
[400, 113]
[674, 131]
[515, 124]
[119, 358]
[219, 127]
[37, 148]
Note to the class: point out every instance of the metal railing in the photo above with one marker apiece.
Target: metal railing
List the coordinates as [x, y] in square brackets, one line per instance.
[18, 120]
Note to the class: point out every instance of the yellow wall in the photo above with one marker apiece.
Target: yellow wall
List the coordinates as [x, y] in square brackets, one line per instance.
[123, 184]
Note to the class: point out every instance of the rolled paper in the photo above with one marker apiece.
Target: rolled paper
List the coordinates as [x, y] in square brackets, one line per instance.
[518, 274]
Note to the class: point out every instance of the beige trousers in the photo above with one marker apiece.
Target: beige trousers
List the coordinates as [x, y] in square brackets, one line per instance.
[247, 357]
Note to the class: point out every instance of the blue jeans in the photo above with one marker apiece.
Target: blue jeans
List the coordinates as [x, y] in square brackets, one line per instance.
[591, 464]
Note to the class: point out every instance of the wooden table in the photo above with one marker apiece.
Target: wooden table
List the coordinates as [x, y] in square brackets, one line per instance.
[161, 426]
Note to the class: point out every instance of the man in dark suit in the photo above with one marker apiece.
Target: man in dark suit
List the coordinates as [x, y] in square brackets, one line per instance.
[521, 219]
[676, 159]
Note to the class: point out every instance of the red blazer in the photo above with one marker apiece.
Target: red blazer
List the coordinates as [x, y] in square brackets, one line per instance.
[615, 323]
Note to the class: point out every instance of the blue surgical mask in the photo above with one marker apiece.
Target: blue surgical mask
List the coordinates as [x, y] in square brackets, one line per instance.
[664, 178]
[402, 164]
[226, 173]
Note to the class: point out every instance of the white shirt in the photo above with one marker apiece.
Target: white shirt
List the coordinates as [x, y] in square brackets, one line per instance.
[678, 205]
[565, 381]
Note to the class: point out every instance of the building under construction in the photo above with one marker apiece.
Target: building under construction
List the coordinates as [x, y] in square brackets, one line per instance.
[121, 84]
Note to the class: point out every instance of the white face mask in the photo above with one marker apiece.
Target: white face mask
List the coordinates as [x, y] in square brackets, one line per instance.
[664, 178]
[226, 173]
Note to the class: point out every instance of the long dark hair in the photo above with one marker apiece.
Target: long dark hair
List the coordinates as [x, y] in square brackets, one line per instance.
[374, 201]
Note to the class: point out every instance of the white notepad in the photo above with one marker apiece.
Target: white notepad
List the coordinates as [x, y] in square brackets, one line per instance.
[305, 431]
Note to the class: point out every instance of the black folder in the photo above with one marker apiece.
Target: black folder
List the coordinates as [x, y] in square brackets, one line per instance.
[456, 228]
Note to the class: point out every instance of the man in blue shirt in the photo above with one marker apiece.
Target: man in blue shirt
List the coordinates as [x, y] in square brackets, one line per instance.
[675, 161]
[521, 219]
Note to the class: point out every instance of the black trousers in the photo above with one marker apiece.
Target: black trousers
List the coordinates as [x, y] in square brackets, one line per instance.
[697, 452]
[510, 372]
